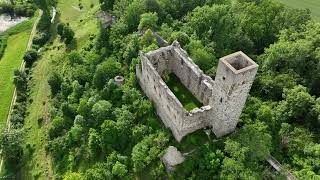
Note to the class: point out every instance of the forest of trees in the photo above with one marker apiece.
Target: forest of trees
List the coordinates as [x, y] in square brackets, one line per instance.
[101, 131]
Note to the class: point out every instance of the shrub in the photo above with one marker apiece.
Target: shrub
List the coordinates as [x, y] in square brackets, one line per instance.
[43, 27]
[68, 34]
[25, 9]
[3, 45]
[55, 82]
[65, 32]
[30, 56]
[60, 28]
[20, 80]
[41, 38]
[7, 8]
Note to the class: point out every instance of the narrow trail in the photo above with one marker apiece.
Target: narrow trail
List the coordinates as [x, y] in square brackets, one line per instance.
[14, 97]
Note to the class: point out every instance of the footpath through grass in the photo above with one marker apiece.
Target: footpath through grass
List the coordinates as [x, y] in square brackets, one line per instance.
[10, 61]
[313, 5]
[186, 98]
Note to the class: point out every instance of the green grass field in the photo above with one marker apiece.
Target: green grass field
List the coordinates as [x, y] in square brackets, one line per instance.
[186, 98]
[11, 60]
[313, 5]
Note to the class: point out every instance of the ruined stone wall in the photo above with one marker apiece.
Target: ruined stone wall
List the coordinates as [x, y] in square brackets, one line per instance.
[223, 98]
[168, 107]
[160, 59]
[191, 75]
[196, 119]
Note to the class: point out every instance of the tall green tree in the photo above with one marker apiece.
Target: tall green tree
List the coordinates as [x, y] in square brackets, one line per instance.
[148, 21]
[105, 71]
[12, 151]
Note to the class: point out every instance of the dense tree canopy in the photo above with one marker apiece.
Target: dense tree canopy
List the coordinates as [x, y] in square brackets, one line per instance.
[100, 130]
[119, 125]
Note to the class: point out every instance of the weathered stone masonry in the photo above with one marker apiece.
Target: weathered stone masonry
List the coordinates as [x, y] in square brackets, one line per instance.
[223, 98]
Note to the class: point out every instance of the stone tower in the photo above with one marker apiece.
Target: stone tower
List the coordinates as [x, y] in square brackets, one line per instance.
[234, 77]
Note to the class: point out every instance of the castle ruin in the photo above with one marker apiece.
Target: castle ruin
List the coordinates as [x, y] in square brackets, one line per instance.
[223, 98]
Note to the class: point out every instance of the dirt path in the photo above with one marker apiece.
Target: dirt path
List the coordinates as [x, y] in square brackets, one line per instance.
[14, 97]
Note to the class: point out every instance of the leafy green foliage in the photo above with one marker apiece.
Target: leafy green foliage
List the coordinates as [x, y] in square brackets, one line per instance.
[3, 44]
[148, 21]
[11, 148]
[30, 57]
[296, 51]
[297, 106]
[100, 130]
[148, 150]
[106, 4]
[105, 71]
[21, 8]
[55, 82]
[65, 32]
[20, 80]
[43, 34]
[72, 176]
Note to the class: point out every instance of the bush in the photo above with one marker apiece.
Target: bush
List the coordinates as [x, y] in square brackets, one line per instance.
[68, 34]
[203, 58]
[60, 28]
[44, 33]
[65, 32]
[7, 8]
[30, 56]
[44, 22]
[20, 80]
[40, 38]
[3, 45]
[105, 71]
[55, 82]
[25, 9]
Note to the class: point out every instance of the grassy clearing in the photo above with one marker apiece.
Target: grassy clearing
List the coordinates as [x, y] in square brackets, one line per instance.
[313, 5]
[78, 19]
[186, 98]
[71, 11]
[37, 164]
[10, 61]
